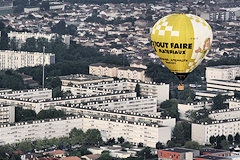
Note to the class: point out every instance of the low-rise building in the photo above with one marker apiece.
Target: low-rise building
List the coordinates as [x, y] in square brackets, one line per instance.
[210, 157]
[210, 94]
[215, 152]
[177, 153]
[225, 114]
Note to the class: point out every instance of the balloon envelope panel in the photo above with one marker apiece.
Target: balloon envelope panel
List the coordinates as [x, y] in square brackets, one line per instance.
[181, 41]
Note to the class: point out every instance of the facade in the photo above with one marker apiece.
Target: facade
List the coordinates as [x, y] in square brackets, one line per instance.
[177, 153]
[225, 114]
[18, 59]
[202, 132]
[160, 91]
[215, 152]
[34, 94]
[223, 85]
[233, 103]
[38, 105]
[21, 37]
[210, 157]
[134, 132]
[210, 94]
[82, 79]
[223, 72]
[218, 16]
[7, 114]
[102, 69]
[77, 109]
[144, 105]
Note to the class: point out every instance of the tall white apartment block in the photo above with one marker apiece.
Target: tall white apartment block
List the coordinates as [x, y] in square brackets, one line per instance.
[34, 94]
[7, 114]
[15, 59]
[223, 72]
[202, 132]
[133, 132]
[21, 37]
[224, 114]
[222, 78]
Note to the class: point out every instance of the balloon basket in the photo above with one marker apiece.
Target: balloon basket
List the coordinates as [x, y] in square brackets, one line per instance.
[181, 87]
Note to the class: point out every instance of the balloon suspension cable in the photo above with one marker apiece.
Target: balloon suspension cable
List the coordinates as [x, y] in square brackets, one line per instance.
[181, 77]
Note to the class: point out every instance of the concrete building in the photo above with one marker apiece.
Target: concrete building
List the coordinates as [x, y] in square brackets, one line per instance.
[133, 132]
[233, 103]
[225, 114]
[102, 69]
[177, 153]
[223, 85]
[210, 157]
[160, 91]
[21, 37]
[210, 94]
[223, 72]
[215, 152]
[7, 113]
[31, 9]
[38, 105]
[184, 108]
[78, 109]
[79, 79]
[202, 132]
[34, 94]
[18, 59]
[144, 105]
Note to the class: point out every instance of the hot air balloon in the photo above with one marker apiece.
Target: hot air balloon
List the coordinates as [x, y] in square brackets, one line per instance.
[181, 41]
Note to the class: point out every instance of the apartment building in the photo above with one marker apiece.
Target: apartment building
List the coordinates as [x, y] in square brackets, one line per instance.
[177, 153]
[78, 109]
[203, 131]
[233, 103]
[223, 114]
[34, 94]
[102, 69]
[7, 114]
[144, 105]
[21, 37]
[160, 91]
[79, 79]
[38, 105]
[18, 59]
[133, 132]
[223, 78]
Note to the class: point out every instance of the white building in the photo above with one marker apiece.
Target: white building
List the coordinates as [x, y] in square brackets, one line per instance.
[35, 94]
[202, 132]
[7, 114]
[102, 69]
[21, 37]
[223, 72]
[31, 9]
[223, 85]
[38, 105]
[210, 94]
[233, 103]
[15, 59]
[133, 132]
[224, 114]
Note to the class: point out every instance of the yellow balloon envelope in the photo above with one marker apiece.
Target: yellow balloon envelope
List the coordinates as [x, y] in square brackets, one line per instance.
[181, 41]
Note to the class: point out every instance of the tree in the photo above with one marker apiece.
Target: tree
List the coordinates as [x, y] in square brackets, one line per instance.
[224, 145]
[126, 145]
[25, 146]
[237, 138]
[230, 138]
[188, 100]
[170, 108]
[145, 153]
[77, 136]
[137, 90]
[51, 113]
[105, 155]
[93, 136]
[218, 102]
[182, 132]
[212, 140]
[45, 6]
[120, 140]
[192, 145]
[159, 145]
[140, 145]
[170, 144]
[60, 28]
[24, 114]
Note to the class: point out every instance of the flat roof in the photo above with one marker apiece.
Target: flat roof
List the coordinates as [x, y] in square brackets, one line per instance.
[212, 150]
[212, 157]
[224, 66]
[178, 150]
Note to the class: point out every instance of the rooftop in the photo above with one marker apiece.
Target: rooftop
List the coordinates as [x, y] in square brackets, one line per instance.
[212, 150]
[224, 66]
[212, 157]
[178, 150]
